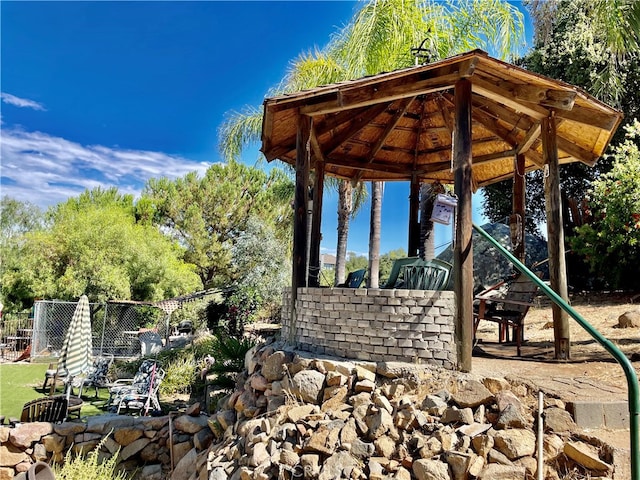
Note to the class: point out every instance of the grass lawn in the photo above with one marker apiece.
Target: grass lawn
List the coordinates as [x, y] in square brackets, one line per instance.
[22, 382]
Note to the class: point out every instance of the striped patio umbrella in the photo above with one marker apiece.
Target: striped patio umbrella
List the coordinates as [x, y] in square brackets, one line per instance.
[76, 349]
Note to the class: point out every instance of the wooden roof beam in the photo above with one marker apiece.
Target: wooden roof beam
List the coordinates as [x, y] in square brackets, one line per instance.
[410, 85]
[357, 124]
[529, 139]
[507, 97]
[391, 124]
[585, 156]
[591, 117]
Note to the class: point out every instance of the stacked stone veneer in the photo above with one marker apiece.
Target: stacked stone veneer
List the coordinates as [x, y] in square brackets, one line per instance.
[374, 324]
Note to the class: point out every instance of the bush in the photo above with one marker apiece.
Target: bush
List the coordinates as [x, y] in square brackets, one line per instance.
[90, 466]
[611, 241]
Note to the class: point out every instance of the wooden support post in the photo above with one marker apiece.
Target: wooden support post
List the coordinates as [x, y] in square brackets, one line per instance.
[316, 226]
[519, 195]
[414, 226]
[301, 198]
[463, 249]
[555, 237]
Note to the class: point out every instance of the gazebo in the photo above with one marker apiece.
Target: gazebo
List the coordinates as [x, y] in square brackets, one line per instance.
[470, 120]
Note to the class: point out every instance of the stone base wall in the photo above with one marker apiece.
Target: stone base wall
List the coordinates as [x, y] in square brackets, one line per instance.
[142, 444]
[374, 324]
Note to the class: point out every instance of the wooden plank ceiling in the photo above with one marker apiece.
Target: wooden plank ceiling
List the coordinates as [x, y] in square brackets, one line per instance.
[395, 125]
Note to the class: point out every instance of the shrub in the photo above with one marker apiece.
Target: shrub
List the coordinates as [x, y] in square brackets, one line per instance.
[611, 242]
[82, 467]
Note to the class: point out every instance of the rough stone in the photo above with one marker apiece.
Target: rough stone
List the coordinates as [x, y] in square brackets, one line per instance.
[335, 465]
[586, 456]
[455, 415]
[365, 386]
[11, 456]
[482, 444]
[434, 405]
[152, 472]
[515, 443]
[300, 412]
[258, 382]
[385, 446]
[459, 463]
[425, 469]
[185, 466]
[552, 446]
[273, 366]
[494, 471]
[495, 385]
[365, 374]
[379, 423]
[494, 456]
[311, 465]
[260, 455]
[472, 394]
[307, 385]
[558, 420]
[630, 319]
[133, 448]
[25, 434]
[126, 435]
[325, 440]
[53, 443]
[189, 424]
[510, 417]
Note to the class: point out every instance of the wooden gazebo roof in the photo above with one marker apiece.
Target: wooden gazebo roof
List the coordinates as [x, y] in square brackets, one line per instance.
[399, 125]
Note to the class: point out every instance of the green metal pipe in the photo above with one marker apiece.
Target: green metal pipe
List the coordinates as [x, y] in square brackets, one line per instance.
[621, 358]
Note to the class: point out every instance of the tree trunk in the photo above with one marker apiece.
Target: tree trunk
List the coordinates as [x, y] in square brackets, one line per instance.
[374, 234]
[428, 193]
[345, 195]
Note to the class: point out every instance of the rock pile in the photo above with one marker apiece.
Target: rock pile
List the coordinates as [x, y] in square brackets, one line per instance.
[314, 418]
[143, 444]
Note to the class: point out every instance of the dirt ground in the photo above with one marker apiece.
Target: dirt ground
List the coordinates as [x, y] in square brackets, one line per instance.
[591, 374]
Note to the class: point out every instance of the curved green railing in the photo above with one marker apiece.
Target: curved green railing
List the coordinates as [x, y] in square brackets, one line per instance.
[627, 367]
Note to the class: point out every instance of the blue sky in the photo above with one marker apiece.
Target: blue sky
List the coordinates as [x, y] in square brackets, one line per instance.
[113, 93]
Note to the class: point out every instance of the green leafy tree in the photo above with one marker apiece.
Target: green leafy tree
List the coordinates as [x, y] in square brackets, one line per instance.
[591, 44]
[16, 219]
[97, 249]
[611, 241]
[207, 215]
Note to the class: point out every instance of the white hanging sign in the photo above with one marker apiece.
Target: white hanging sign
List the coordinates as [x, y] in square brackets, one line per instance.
[443, 209]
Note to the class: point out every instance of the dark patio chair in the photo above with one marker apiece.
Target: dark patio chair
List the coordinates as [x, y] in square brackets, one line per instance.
[508, 307]
[354, 279]
[96, 376]
[138, 393]
[47, 409]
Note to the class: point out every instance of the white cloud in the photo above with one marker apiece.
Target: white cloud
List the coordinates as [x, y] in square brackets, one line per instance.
[20, 102]
[46, 170]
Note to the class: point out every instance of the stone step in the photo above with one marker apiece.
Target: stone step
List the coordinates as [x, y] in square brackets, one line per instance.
[597, 414]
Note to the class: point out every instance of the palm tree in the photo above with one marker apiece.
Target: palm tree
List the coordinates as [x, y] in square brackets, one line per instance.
[379, 38]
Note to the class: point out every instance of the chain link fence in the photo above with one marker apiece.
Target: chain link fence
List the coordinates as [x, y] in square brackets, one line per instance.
[115, 327]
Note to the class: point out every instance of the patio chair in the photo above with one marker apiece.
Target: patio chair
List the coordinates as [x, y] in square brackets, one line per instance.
[52, 374]
[138, 393]
[96, 376]
[354, 279]
[506, 303]
[46, 409]
[398, 263]
[426, 275]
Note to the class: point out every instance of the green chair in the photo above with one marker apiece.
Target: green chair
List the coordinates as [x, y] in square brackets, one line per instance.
[426, 275]
[398, 263]
[354, 279]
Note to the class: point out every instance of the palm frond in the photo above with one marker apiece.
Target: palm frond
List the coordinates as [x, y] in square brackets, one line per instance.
[240, 130]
